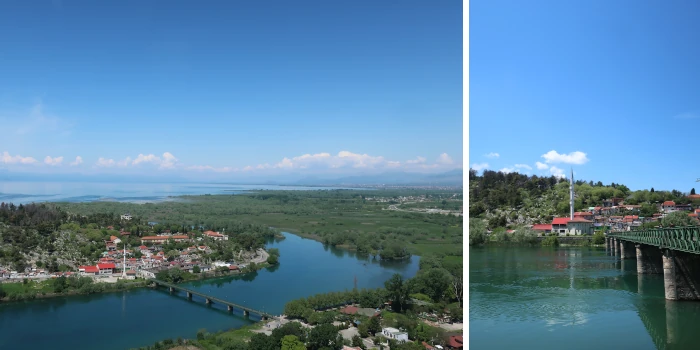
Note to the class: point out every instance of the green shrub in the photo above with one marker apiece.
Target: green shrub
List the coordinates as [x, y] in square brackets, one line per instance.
[551, 241]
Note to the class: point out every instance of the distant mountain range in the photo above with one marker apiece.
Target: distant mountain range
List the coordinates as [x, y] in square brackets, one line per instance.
[450, 178]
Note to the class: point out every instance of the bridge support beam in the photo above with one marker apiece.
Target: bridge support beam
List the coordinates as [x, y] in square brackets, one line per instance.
[245, 313]
[189, 295]
[648, 259]
[229, 308]
[681, 275]
[626, 250]
[616, 246]
[207, 300]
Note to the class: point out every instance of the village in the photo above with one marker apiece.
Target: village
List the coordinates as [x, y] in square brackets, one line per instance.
[145, 260]
[613, 216]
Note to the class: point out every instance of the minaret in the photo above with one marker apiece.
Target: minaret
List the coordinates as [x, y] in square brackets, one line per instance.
[124, 263]
[571, 194]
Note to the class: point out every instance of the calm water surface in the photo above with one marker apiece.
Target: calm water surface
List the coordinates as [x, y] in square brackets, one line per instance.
[141, 317]
[27, 192]
[572, 298]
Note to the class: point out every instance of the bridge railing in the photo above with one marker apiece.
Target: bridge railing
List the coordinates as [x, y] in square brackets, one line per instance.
[685, 239]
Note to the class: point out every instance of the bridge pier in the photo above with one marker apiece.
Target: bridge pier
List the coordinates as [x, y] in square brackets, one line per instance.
[189, 295]
[172, 289]
[669, 275]
[626, 250]
[207, 300]
[681, 275]
[229, 308]
[245, 313]
[616, 247]
[648, 259]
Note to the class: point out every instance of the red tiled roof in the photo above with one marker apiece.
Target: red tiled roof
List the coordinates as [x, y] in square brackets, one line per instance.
[105, 266]
[669, 203]
[233, 267]
[596, 208]
[631, 217]
[693, 215]
[131, 272]
[582, 213]
[542, 227]
[428, 346]
[456, 341]
[142, 247]
[350, 310]
[579, 220]
[560, 221]
[90, 269]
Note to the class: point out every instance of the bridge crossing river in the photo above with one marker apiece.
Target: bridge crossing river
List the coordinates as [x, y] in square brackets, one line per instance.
[213, 300]
[673, 252]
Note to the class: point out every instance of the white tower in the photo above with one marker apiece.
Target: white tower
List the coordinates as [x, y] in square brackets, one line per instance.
[124, 263]
[571, 194]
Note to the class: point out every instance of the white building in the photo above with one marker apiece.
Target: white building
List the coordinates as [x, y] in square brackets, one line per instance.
[393, 333]
[126, 216]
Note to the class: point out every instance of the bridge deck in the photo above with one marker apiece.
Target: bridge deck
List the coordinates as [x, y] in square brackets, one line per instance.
[214, 299]
[686, 239]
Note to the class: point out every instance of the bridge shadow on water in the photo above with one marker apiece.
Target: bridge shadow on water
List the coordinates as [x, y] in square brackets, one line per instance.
[181, 296]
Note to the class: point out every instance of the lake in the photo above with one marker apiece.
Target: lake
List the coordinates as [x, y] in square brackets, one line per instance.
[140, 317]
[26, 192]
[571, 298]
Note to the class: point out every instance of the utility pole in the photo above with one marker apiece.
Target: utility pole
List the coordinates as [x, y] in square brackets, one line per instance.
[124, 263]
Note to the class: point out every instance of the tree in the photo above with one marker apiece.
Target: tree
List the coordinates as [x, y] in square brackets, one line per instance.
[261, 341]
[196, 269]
[692, 191]
[457, 285]
[291, 342]
[357, 342]
[652, 190]
[290, 328]
[678, 218]
[477, 231]
[2, 292]
[373, 325]
[272, 260]
[398, 291]
[325, 336]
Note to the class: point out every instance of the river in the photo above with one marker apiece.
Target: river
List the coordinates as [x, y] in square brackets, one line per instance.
[571, 298]
[140, 317]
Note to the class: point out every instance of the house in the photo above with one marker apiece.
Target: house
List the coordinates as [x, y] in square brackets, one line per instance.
[579, 226]
[126, 216]
[455, 342]
[131, 274]
[124, 233]
[685, 207]
[542, 228]
[630, 218]
[163, 239]
[106, 269]
[393, 333]
[88, 270]
[597, 210]
[584, 215]
[111, 246]
[216, 236]
[668, 206]
[559, 225]
[350, 310]
[115, 240]
[611, 202]
[205, 268]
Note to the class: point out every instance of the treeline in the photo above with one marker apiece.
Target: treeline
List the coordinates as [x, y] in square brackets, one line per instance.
[29, 289]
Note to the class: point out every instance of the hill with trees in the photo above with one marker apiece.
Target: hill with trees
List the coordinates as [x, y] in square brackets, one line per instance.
[515, 199]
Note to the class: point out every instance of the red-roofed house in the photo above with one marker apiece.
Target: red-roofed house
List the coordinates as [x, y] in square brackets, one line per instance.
[88, 270]
[106, 269]
[630, 218]
[163, 239]
[350, 310]
[216, 236]
[668, 206]
[542, 228]
[584, 215]
[455, 342]
[559, 225]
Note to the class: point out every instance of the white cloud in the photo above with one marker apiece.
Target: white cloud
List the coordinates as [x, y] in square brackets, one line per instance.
[541, 166]
[8, 159]
[480, 166]
[523, 166]
[557, 172]
[124, 162]
[444, 159]
[248, 168]
[169, 160]
[571, 158]
[53, 161]
[393, 164]
[102, 162]
[145, 159]
[492, 155]
[78, 161]
[507, 170]
[418, 160]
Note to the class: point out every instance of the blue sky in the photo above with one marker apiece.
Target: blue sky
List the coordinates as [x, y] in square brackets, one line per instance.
[617, 81]
[315, 86]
